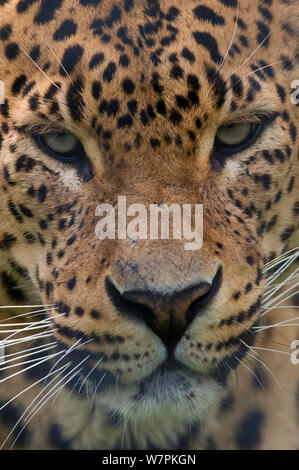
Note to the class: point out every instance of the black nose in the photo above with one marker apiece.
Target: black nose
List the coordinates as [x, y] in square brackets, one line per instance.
[168, 312]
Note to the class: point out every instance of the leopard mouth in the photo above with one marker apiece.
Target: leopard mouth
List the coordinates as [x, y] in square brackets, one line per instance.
[169, 388]
[167, 379]
[170, 382]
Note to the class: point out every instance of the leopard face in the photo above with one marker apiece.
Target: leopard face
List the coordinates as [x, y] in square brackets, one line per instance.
[162, 102]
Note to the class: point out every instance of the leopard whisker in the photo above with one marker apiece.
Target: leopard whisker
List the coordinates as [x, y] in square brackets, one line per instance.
[89, 373]
[71, 378]
[282, 323]
[26, 355]
[31, 338]
[96, 391]
[30, 416]
[251, 371]
[27, 389]
[261, 362]
[29, 314]
[281, 296]
[26, 306]
[279, 259]
[65, 352]
[30, 350]
[46, 322]
[271, 350]
[30, 367]
[39, 68]
[233, 37]
[21, 417]
[60, 63]
[251, 55]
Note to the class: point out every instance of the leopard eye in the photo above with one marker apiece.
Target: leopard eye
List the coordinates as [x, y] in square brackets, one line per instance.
[67, 149]
[63, 146]
[61, 143]
[235, 135]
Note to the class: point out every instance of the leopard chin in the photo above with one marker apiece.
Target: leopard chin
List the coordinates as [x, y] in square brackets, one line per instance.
[176, 394]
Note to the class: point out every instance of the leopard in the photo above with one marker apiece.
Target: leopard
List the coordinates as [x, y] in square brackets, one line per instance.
[135, 342]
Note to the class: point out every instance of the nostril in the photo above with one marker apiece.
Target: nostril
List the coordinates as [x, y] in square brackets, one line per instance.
[128, 307]
[201, 301]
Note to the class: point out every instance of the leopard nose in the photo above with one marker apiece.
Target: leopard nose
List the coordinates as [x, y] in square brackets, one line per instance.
[175, 302]
[168, 312]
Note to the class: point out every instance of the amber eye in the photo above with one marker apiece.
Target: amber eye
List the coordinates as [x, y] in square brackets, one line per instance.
[61, 143]
[235, 135]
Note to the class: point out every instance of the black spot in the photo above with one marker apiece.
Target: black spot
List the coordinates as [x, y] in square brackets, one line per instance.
[177, 72]
[7, 241]
[128, 86]
[124, 61]
[263, 34]
[61, 307]
[188, 55]
[114, 16]
[71, 58]
[281, 93]
[193, 82]
[182, 102]
[155, 143]
[13, 290]
[125, 121]
[9, 416]
[286, 63]
[12, 51]
[96, 60]
[175, 117]
[230, 3]
[132, 106]
[5, 32]
[34, 102]
[161, 107]
[14, 211]
[237, 85]
[42, 193]
[249, 432]
[79, 311]
[71, 240]
[204, 13]
[71, 283]
[35, 53]
[287, 233]
[96, 90]
[218, 84]
[24, 5]
[67, 29]
[75, 101]
[95, 314]
[57, 439]
[128, 5]
[208, 42]
[47, 11]
[293, 132]
[291, 185]
[27, 212]
[109, 72]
